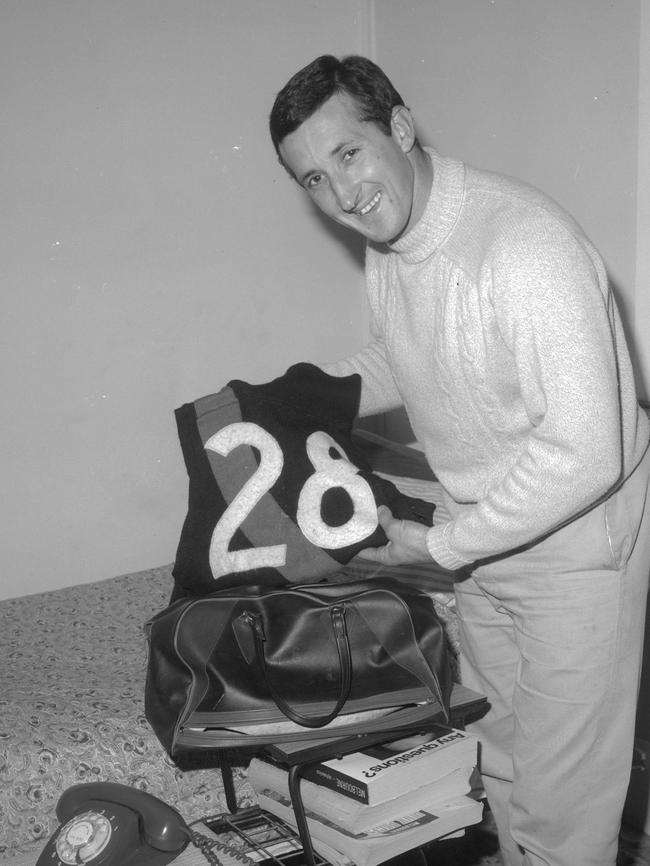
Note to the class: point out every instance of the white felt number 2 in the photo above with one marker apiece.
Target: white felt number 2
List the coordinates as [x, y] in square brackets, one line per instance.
[329, 472]
[225, 561]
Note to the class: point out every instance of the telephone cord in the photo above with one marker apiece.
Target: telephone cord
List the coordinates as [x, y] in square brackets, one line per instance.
[218, 854]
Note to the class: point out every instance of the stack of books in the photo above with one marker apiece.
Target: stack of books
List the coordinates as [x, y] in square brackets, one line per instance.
[372, 805]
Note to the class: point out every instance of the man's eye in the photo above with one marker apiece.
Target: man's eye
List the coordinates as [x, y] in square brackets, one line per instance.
[314, 180]
[349, 154]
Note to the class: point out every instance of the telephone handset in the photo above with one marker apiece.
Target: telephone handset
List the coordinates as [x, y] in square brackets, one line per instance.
[112, 824]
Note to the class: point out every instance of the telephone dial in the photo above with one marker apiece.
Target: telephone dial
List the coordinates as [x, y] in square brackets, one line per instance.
[108, 823]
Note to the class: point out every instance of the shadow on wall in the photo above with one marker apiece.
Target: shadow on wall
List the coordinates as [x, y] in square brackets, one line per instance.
[354, 244]
[637, 806]
[626, 318]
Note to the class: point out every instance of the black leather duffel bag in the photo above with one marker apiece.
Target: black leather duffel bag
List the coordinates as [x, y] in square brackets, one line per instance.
[247, 666]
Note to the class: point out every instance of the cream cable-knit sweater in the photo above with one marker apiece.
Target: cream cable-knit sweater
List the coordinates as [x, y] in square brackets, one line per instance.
[494, 325]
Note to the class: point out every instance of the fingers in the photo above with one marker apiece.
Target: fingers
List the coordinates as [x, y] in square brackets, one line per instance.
[405, 542]
[385, 516]
[375, 554]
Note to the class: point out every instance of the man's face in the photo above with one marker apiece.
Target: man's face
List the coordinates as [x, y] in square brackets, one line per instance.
[353, 171]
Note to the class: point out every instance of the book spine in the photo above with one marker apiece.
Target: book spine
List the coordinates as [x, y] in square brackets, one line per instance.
[395, 773]
[350, 814]
[335, 781]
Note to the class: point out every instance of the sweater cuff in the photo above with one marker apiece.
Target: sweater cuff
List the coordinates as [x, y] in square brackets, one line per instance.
[438, 547]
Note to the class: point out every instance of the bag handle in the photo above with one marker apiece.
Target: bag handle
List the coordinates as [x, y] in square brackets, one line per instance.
[339, 627]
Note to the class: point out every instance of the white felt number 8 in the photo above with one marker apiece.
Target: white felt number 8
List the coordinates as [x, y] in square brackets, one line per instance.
[225, 561]
[330, 472]
[334, 472]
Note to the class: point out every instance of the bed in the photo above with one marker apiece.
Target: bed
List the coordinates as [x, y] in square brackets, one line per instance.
[72, 699]
[71, 706]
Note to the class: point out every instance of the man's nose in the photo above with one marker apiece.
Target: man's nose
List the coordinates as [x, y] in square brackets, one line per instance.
[346, 192]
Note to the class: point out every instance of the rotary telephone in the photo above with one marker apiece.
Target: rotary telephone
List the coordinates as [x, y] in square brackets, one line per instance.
[107, 824]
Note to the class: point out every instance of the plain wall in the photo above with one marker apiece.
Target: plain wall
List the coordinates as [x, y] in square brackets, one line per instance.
[152, 249]
[642, 320]
[642, 296]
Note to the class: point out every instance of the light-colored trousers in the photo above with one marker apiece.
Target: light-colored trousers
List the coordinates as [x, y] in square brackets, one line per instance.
[553, 636]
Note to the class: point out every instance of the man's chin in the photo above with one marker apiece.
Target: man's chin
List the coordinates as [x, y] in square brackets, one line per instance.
[388, 234]
[378, 232]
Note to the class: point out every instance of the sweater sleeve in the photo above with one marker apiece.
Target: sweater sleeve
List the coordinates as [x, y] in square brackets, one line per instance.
[557, 317]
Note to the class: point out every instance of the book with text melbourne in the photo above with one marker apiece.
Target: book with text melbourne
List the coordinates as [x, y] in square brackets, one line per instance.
[352, 815]
[393, 837]
[378, 773]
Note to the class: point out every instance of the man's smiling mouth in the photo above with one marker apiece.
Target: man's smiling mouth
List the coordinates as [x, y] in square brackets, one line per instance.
[374, 201]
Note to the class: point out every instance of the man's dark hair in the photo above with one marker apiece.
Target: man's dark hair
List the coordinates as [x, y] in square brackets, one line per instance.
[313, 85]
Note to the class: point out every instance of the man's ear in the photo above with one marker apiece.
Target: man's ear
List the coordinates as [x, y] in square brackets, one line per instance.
[402, 127]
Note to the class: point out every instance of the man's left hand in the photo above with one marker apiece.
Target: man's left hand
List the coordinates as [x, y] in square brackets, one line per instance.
[407, 541]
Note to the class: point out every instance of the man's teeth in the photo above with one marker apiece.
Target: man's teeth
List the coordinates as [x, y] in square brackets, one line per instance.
[373, 201]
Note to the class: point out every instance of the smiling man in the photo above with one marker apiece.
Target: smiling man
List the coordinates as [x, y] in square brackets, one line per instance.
[494, 325]
[371, 182]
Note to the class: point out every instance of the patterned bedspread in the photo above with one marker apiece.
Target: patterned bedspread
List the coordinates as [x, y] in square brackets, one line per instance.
[72, 675]
[73, 665]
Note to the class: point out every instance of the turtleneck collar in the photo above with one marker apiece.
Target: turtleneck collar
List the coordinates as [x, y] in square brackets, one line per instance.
[440, 213]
